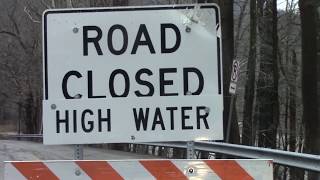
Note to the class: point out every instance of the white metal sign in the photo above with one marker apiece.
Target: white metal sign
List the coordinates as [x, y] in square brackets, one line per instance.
[132, 74]
[234, 76]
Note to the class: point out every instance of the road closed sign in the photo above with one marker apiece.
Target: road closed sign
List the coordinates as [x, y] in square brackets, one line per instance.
[136, 74]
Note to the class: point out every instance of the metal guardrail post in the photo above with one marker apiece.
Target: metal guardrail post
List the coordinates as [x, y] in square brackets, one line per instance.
[190, 150]
[78, 152]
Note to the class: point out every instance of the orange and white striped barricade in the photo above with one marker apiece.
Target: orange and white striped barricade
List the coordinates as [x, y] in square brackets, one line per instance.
[139, 170]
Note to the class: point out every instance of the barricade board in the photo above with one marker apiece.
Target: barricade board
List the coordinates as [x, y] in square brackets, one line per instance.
[134, 74]
[141, 169]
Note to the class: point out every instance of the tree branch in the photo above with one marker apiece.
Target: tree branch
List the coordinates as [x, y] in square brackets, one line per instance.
[30, 16]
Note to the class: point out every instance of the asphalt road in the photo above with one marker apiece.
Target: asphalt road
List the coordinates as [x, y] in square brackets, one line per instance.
[11, 150]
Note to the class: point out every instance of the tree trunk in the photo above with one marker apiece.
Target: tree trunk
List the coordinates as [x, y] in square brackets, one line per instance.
[310, 77]
[318, 66]
[267, 85]
[28, 108]
[239, 32]
[275, 72]
[226, 7]
[286, 129]
[20, 117]
[247, 135]
[295, 173]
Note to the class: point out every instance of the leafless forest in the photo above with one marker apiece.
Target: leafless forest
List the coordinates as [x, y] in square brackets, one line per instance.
[278, 96]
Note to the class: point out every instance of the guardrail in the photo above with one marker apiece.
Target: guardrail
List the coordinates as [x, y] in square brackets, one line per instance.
[300, 160]
[294, 159]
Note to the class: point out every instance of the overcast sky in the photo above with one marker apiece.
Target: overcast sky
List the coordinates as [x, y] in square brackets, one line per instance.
[282, 3]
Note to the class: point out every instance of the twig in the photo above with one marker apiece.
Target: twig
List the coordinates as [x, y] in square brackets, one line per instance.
[30, 16]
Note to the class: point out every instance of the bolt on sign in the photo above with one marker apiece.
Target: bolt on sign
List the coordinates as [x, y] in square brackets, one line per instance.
[135, 74]
[140, 169]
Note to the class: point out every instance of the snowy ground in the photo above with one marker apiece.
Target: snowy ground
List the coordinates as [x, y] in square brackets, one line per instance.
[25, 150]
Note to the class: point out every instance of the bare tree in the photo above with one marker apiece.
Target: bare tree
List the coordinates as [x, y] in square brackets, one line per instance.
[247, 135]
[267, 112]
[21, 63]
[310, 77]
[228, 55]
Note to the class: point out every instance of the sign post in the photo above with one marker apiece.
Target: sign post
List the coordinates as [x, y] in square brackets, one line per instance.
[78, 152]
[232, 91]
[190, 150]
